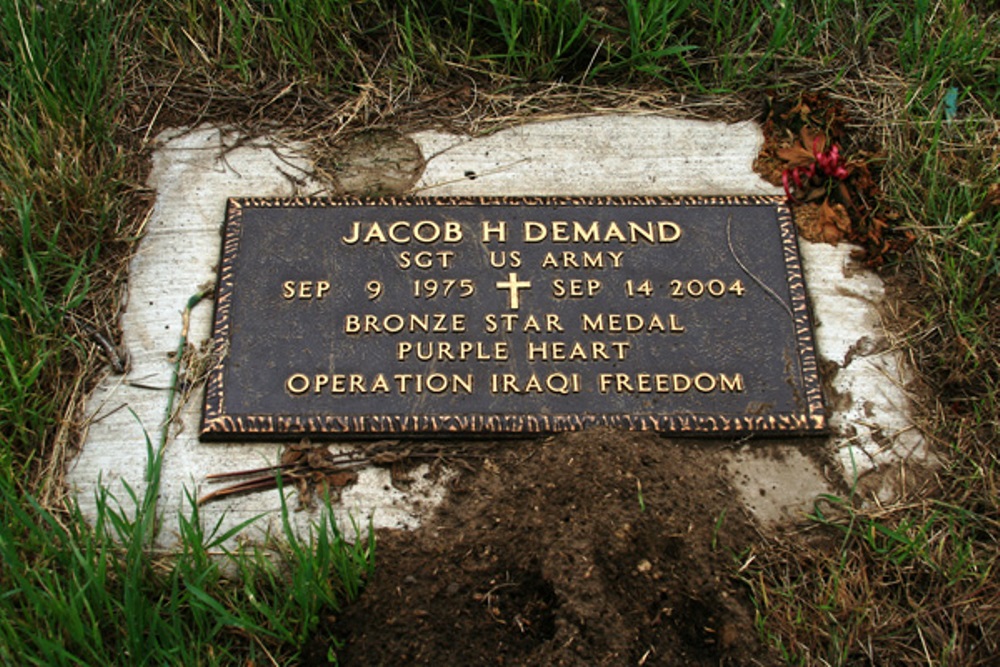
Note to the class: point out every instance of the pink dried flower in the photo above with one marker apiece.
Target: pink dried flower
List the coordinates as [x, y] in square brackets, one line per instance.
[830, 163]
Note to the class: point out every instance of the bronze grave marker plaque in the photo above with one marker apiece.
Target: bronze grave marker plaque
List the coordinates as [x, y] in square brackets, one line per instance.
[507, 316]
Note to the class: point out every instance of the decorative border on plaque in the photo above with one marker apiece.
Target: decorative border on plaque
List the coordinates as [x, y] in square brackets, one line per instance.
[217, 425]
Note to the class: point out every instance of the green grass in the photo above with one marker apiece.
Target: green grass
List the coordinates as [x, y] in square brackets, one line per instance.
[60, 189]
[916, 582]
[698, 44]
[76, 594]
[960, 254]
[84, 82]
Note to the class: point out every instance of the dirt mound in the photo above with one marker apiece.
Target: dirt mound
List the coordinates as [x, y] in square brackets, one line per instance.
[593, 548]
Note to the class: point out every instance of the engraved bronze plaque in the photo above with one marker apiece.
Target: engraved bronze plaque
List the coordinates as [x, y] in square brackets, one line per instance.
[508, 316]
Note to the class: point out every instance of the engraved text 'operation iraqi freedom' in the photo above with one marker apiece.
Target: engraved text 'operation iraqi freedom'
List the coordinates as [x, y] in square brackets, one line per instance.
[458, 315]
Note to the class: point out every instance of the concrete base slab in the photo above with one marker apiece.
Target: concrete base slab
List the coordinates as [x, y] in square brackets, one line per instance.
[596, 155]
[870, 407]
[777, 484]
[195, 172]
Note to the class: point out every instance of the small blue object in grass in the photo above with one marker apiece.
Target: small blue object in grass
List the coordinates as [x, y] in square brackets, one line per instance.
[951, 103]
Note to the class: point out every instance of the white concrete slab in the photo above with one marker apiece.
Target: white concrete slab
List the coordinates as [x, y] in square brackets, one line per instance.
[596, 155]
[870, 409]
[195, 172]
[777, 485]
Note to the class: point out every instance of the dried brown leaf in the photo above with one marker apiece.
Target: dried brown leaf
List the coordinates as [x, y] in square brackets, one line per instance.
[796, 156]
[814, 142]
[836, 215]
[816, 194]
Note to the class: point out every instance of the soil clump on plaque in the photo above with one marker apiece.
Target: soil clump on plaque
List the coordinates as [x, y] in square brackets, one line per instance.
[590, 548]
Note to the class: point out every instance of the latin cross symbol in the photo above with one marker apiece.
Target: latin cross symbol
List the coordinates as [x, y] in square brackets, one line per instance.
[514, 285]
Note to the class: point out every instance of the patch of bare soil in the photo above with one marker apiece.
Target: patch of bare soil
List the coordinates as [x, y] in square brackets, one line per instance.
[591, 548]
